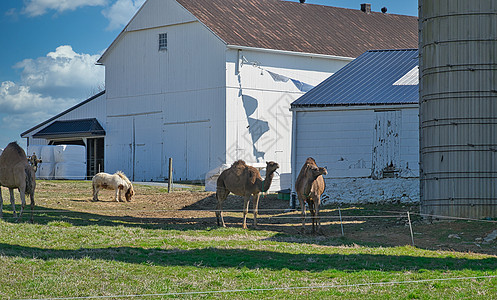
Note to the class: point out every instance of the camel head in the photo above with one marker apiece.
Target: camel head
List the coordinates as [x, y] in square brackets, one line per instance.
[271, 167]
[316, 171]
[34, 161]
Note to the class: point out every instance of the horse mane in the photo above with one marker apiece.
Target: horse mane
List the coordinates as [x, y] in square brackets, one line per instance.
[121, 174]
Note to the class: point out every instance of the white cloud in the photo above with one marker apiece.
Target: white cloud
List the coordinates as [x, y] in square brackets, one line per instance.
[19, 99]
[63, 73]
[49, 85]
[121, 12]
[40, 7]
[22, 109]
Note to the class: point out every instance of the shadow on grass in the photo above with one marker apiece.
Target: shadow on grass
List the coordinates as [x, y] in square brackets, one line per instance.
[286, 226]
[255, 259]
[196, 216]
[45, 216]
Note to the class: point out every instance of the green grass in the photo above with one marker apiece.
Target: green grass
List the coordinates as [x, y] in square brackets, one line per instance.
[61, 260]
[76, 257]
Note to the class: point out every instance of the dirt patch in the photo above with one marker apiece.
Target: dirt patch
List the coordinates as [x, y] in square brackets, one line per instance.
[374, 225]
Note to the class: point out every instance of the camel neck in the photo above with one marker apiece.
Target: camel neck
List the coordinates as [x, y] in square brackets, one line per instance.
[267, 182]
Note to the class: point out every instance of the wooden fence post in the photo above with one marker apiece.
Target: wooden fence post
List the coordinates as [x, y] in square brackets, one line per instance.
[170, 179]
[410, 227]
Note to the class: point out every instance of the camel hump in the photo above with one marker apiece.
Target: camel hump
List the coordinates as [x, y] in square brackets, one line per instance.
[12, 154]
[239, 163]
[310, 161]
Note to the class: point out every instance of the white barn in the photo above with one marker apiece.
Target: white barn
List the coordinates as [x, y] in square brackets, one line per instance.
[210, 82]
[362, 123]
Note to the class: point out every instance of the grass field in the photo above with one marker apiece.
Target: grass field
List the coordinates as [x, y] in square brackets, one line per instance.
[77, 248]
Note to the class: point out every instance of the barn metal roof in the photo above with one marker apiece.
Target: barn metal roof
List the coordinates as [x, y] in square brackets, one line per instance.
[302, 27]
[73, 128]
[377, 77]
[299, 27]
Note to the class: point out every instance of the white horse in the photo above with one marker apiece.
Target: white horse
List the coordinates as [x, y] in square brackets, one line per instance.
[117, 181]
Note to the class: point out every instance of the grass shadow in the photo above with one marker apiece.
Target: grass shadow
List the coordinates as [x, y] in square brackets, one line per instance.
[255, 259]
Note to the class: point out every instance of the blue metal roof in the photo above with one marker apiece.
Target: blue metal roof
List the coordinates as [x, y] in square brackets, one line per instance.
[73, 128]
[377, 77]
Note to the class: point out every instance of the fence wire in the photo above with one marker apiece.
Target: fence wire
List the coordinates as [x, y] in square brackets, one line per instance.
[334, 286]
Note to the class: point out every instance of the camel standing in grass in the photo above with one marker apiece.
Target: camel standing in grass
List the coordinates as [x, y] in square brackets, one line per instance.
[243, 180]
[17, 173]
[310, 185]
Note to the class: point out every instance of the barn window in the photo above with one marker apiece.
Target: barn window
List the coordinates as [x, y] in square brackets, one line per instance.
[162, 41]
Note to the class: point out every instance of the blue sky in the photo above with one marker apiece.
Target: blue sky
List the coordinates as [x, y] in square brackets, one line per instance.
[49, 49]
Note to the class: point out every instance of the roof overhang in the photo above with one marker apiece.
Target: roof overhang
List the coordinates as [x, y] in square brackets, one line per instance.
[82, 128]
[25, 133]
[285, 52]
[377, 107]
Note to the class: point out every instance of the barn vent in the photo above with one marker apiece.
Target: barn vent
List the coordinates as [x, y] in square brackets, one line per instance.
[366, 7]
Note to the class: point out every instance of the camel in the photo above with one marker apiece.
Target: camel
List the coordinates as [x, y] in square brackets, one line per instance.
[117, 181]
[310, 185]
[16, 172]
[243, 180]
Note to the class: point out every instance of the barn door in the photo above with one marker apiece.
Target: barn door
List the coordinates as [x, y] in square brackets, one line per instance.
[175, 148]
[198, 137]
[188, 143]
[148, 160]
[386, 144]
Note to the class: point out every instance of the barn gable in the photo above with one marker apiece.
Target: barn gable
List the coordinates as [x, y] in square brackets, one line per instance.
[283, 25]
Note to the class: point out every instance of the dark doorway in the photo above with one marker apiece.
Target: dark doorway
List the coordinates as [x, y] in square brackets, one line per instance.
[94, 156]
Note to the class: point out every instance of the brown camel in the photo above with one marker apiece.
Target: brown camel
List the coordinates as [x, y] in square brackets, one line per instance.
[243, 180]
[310, 185]
[16, 172]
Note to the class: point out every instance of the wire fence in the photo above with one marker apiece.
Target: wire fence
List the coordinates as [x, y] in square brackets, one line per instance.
[334, 286]
[281, 215]
[341, 216]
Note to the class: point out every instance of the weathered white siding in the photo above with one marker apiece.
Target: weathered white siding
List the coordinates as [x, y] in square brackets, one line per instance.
[356, 145]
[159, 13]
[258, 117]
[167, 103]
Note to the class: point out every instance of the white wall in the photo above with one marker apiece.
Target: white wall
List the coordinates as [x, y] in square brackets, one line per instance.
[258, 117]
[163, 104]
[343, 141]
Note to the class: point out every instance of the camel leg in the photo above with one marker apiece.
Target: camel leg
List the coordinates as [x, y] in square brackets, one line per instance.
[13, 202]
[221, 196]
[246, 201]
[313, 214]
[256, 205]
[1, 204]
[302, 207]
[318, 220]
[32, 204]
[22, 192]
